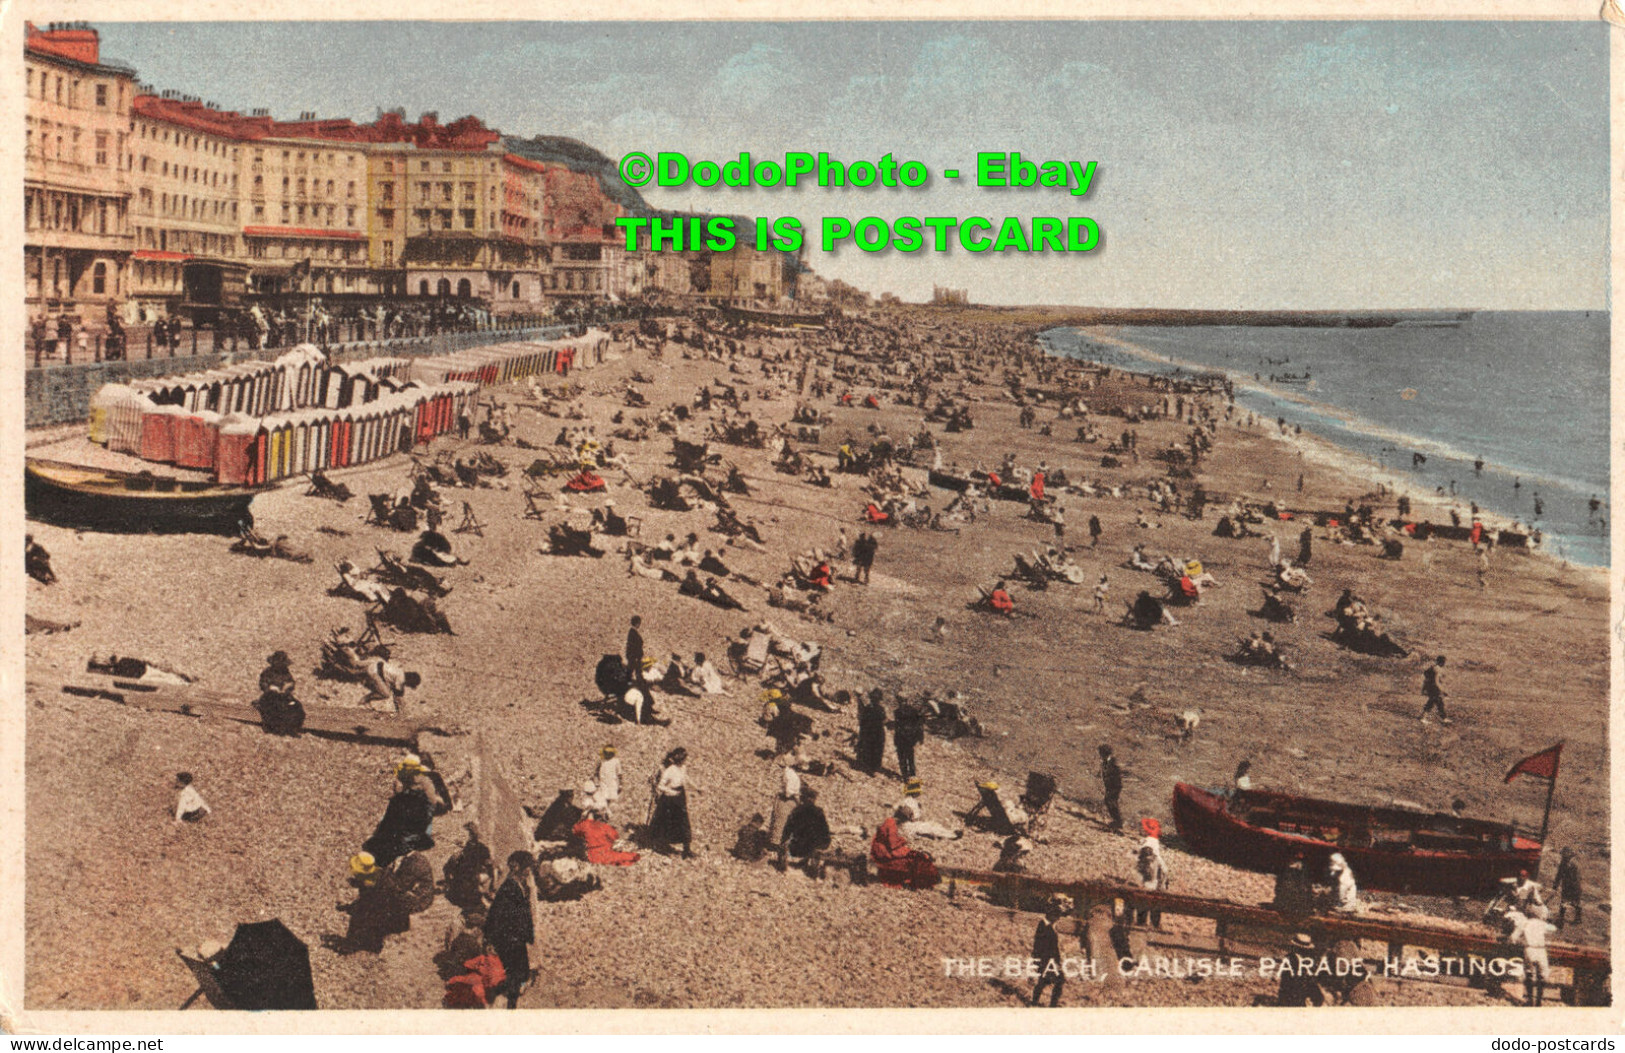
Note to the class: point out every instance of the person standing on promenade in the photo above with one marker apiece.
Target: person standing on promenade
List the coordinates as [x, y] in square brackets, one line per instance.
[1094, 531]
[1111, 780]
[1305, 544]
[1433, 689]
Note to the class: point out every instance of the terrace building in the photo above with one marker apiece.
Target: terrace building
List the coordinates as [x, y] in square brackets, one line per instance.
[76, 233]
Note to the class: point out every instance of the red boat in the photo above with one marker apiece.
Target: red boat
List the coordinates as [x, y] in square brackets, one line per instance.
[1389, 849]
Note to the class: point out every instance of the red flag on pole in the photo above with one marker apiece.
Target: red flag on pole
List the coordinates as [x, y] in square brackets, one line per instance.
[1542, 765]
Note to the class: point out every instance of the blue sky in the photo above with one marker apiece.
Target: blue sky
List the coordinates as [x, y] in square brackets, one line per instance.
[1244, 165]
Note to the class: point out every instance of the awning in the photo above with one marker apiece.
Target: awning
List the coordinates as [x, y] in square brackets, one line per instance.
[301, 232]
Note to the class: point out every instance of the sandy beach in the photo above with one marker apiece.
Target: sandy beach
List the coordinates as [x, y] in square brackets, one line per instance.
[113, 886]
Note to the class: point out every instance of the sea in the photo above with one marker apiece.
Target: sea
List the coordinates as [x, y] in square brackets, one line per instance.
[1523, 392]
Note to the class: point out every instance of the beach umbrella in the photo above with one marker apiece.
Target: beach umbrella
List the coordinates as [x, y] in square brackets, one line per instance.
[266, 967]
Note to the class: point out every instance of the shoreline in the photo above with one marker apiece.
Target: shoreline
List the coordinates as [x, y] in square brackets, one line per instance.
[1360, 468]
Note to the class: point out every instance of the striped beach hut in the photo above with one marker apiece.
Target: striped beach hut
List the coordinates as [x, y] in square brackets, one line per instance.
[115, 417]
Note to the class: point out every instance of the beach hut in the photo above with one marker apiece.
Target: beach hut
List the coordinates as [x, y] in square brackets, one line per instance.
[233, 458]
[339, 439]
[115, 417]
[158, 427]
[320, 442]
[197, 435]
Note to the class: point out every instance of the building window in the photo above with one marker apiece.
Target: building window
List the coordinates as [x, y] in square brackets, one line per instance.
[301, 213]
[468, 219]
[423, 286]
[516, 290]
[349, 191]
[445, 166]
[387, 191]
[389, 167]
[101, 147]
[287, 211]
[349, 216]
[101, 95]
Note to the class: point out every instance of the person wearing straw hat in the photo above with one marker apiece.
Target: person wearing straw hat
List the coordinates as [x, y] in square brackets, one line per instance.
[914, 823]
[1297, 987]
[280, 712]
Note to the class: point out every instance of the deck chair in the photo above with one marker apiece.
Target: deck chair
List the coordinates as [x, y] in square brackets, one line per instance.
[383, 507]
[470, 523]
[534, 509]
[750, 657]
[1037, 799]
[990, 804]
[412, 615]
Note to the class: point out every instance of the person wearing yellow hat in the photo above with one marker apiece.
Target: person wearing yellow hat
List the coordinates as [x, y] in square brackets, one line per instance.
[364, 869]
[912, 812]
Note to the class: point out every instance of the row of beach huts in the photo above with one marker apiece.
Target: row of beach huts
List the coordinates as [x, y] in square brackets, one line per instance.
[253, 423]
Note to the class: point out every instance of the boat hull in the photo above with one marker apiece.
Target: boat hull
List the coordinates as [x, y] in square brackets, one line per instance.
[1208, 829]
[113, 502]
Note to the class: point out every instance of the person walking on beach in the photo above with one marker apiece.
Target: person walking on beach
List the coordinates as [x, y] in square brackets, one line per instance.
[509, 928]
[1483, 566]
[1047, 953]
[634, 654]
[871, 743]
[908, 732]
[1094, 531]
[1111, 780]
[1305, 543]
[1101, 588]
[669, 824]
[1433, 690]
[863, 556]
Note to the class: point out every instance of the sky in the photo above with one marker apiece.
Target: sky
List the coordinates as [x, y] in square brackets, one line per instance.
[1246, 165]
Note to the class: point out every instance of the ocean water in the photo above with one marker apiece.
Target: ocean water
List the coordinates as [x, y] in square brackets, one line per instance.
[1525, 392]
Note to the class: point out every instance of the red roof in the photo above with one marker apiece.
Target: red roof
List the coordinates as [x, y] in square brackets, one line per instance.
[159, 254]
[524, 162]
[81, 44]
[301, 232]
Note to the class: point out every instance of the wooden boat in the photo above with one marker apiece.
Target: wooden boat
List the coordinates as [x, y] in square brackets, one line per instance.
[1389, 849]
[103, 499]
